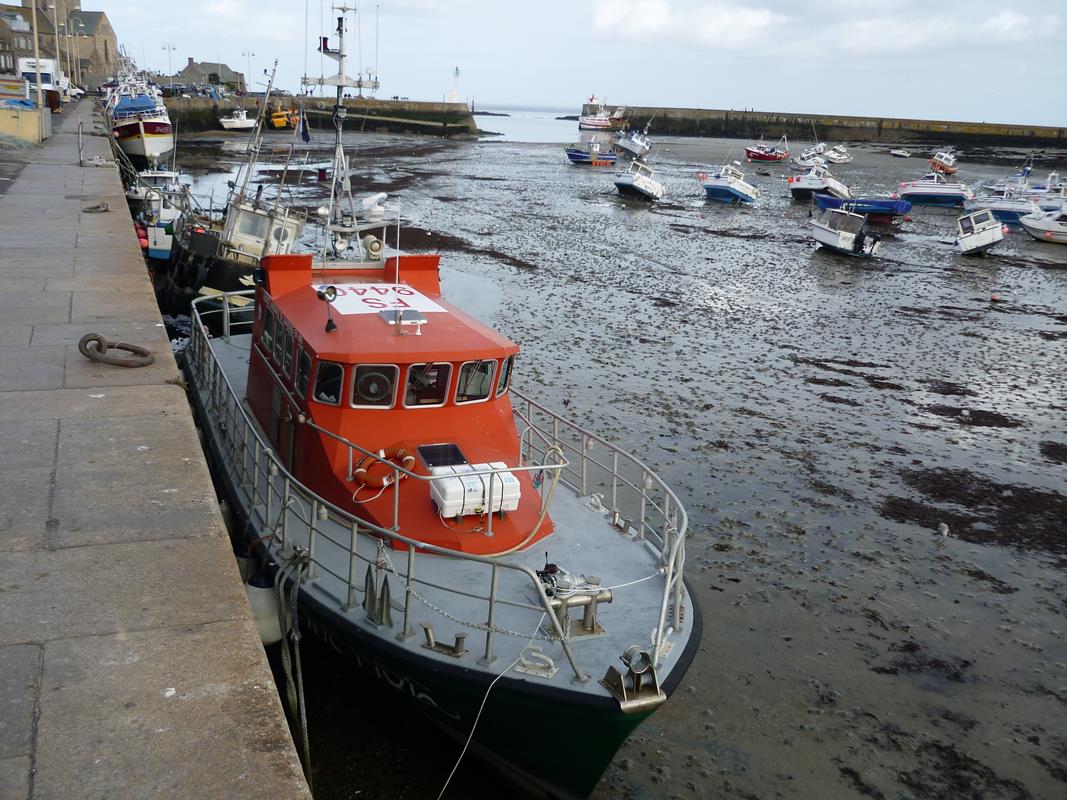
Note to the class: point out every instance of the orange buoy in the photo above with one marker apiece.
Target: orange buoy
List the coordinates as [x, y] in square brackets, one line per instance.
[994, 298]
[143, 242]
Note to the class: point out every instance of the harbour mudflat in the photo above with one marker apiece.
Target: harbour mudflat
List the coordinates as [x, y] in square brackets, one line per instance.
[822, 418]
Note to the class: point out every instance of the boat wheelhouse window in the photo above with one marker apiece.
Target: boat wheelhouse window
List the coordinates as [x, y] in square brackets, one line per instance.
[287, 356]
[967, 225]
[303, 372]
[985, 216]
[475, 381]
[329, 378]
[504, 379]
[374, 385]
[254, 225]
[267, 337]
[427, 384]
[279, 341]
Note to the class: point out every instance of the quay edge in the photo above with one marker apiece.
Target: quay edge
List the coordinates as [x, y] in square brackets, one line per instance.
[197, 114]
[734, 124]
[130, 665]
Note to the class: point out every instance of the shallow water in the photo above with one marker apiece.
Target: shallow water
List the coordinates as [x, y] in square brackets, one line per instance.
[820, 417]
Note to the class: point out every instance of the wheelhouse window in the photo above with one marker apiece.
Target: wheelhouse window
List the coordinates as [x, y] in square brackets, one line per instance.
[279, 341]
[287, 355]
[374, 385]
[504, 380]
[475, 381]
[329, 378]
[303, 372]
[427, 384]
[267, 337]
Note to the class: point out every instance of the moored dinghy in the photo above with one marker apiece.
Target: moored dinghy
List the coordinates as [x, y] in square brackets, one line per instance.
[638, 181]
[977, 232]
[844, 232]
[728, 185]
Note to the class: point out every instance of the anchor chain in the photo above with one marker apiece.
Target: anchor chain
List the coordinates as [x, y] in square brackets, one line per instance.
[95, 348]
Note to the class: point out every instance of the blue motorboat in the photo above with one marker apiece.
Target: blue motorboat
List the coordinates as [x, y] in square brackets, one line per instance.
[592, 154]
[727, 185]
[876, 209]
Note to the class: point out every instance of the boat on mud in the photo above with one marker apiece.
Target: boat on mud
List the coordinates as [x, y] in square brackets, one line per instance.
[636, 144]
[727, 184]
[900, 152]
[638, 180]
[817, 180]
[838, 154]
[238, 120]
[1006, 205]
[844, 232]
[977, 232]
[761, 151]
[933, 190]
[602, 119]
[501, 570]
[1046, 226]
[876, 209]
[594, 153]
[944, 162]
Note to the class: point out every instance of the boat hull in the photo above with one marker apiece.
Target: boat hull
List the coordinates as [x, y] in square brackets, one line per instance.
[927, 199]
[1043, 234]
[146, 142]
[643, 189]
[727, 194]
[585, 158]
[758, 155]
[977, 244]
[237, 124]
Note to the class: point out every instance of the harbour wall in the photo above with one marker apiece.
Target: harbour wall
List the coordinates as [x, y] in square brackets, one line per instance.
[387, 116]
[774, 124]
[130, 664]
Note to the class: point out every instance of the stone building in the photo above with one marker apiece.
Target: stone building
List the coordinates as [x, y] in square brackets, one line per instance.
[210, 72]
[87, 42]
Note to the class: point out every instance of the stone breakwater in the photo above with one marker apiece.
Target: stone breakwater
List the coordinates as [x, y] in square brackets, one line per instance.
[774, 124]
[192, 114]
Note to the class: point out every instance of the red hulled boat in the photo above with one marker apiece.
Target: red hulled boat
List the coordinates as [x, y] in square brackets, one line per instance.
[761, 151]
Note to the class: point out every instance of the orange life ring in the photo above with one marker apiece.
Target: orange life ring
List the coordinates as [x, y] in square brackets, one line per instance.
[372, 480]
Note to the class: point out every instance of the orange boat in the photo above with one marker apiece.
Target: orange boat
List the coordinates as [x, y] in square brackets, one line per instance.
[944, 162]
[516, 576]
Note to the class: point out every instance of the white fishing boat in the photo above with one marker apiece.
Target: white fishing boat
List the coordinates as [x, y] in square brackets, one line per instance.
[817, 180]
[139, 119]
[1047, 226]
[944, 161]
[900, 152]
[977, 232]
[635, 143]
[812, 157]
[934, 190]
[844, 232]
[151, 180]
[637, 180]
[602, 119]
[238, 120]
[1005, 204]
[727, 184]
[838, 155]
[160, 211]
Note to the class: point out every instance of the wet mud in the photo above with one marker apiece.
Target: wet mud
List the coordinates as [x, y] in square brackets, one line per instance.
[873, 455]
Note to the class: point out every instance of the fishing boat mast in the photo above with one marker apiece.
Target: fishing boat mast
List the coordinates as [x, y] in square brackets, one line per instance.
[340, 219]
[255, 140]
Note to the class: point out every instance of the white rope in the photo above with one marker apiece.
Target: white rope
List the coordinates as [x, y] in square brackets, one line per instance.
[478, 716]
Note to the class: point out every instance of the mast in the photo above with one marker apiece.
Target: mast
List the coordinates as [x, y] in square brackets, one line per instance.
[340, 222]
[257, 134]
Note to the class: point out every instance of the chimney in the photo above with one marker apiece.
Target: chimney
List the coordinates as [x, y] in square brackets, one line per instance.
[190, 61]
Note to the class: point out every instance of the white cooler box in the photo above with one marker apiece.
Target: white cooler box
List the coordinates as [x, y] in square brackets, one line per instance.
[463, 494]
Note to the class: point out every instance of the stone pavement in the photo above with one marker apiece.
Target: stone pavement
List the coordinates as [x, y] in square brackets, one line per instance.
[130, 666]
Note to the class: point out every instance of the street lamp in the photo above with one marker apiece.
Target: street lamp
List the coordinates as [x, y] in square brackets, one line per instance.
[248, 56]
[66, 41]
[59, 54]
[170, 48]
[36, 54]
[77, 56]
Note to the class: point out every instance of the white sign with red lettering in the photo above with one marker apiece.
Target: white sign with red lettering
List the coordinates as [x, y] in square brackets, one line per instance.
[371, 298]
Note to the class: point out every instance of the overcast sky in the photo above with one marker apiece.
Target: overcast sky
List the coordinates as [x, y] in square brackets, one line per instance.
[981, 60]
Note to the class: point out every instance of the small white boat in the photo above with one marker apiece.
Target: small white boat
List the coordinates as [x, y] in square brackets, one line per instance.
[1005, 205]
[843, 232]
[933, 190]
[1048, 226]
[727, 185]
[237, 121]
[151, 181]
[977, 232]
[900, 152]
[817, 180]
[812, 157]
[637, 180]
[636, 144]
[838, 155]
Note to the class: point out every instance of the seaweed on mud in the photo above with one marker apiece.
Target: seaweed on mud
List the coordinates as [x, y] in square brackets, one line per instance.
[1056, 769]
[422, 240]
[844, 401]
[946, 388]
[911, 660]
[995, 583]
[977, 417]
[998, 513]
[944, 773]
[853, 779]
[1056, 452]
[835, 382]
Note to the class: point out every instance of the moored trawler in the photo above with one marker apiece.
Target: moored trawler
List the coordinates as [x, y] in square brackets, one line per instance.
[139, 119]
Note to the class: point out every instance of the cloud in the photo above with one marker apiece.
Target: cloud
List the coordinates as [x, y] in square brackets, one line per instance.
[1014, 27]
[719, 25]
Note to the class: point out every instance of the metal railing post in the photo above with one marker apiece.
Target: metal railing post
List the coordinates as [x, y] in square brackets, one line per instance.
[352, 560]
[489, 658]
[407, 633]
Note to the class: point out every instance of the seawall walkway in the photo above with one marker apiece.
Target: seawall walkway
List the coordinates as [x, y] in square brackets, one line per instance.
[129, 663]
